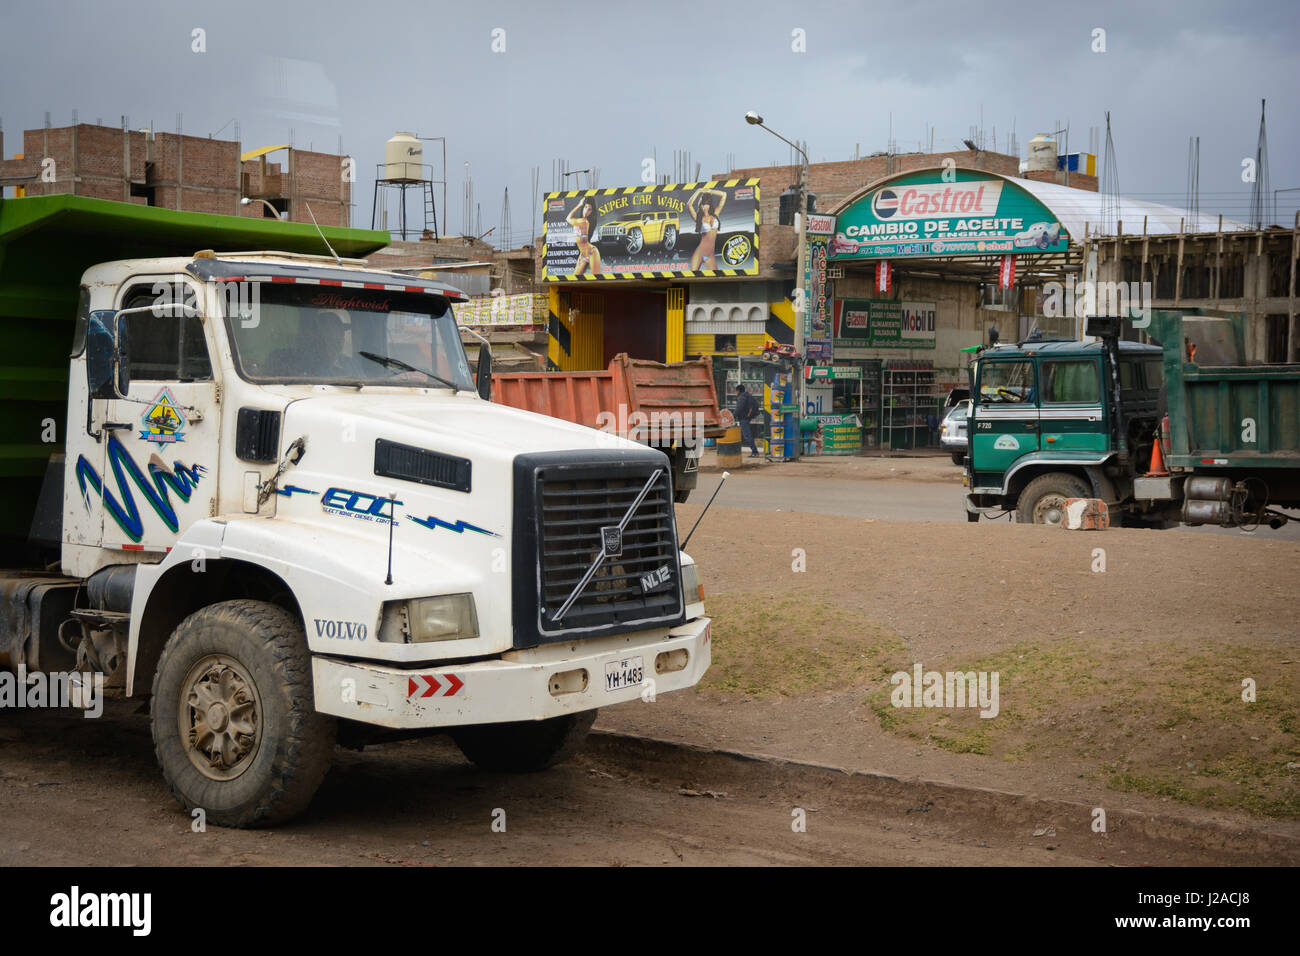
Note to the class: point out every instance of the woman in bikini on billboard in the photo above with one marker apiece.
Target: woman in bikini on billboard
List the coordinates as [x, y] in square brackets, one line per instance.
[583, 220]
[706, 205]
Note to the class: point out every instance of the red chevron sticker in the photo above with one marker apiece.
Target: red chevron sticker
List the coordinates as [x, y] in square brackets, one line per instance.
[428, 685]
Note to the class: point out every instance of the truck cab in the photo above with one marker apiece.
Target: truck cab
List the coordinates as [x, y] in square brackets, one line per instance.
[1043, 426]
[286, 511]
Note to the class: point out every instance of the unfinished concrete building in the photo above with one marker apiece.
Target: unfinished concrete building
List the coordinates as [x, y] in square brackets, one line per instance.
[1251, 272]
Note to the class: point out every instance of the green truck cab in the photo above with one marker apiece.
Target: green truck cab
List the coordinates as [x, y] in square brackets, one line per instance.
[1055, 420]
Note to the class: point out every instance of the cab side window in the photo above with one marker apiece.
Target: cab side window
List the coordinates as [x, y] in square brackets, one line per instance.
[167, 346]
[1071, 382]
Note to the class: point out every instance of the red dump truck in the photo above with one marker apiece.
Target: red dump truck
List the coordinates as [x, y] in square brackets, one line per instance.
[672, 407]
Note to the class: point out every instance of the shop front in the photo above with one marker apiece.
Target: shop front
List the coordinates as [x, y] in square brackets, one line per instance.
[918, 267]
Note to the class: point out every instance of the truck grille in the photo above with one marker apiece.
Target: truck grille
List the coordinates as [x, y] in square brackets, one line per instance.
[572, 502]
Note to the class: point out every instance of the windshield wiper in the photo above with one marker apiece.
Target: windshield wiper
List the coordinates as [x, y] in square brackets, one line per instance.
[389, 362]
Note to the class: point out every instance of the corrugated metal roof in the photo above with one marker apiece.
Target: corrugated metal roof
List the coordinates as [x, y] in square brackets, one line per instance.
[1077, 208]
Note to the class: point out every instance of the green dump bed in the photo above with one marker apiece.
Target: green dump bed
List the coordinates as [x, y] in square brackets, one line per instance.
[46, 243]
[1217, 404]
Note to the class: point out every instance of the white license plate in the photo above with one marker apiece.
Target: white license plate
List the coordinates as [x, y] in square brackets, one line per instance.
[625, 673]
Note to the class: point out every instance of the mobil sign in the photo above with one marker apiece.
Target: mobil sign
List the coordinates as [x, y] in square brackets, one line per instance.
[960, 212]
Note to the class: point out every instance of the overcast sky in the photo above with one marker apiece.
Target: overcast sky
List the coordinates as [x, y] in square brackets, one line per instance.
[606, 85]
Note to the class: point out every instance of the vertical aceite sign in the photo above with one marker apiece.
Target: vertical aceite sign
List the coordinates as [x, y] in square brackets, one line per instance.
[816, 318]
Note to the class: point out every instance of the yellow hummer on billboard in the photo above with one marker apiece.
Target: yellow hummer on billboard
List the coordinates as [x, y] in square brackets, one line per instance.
[633, 233]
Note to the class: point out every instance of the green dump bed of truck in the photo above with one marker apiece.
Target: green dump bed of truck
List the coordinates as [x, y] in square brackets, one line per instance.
[1224, 413]
[46, 243]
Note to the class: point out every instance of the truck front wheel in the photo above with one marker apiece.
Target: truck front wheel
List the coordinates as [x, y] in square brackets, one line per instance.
[234, 722]
[526, 745]
[1043, 499]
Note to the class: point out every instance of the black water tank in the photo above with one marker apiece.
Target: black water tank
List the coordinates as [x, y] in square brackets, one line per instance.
[789, 201]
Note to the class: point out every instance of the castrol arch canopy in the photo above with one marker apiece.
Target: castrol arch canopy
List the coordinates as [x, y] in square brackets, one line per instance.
[960, 212]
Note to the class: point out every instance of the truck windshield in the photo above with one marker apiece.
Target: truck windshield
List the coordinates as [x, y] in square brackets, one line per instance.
[296, 334]
[1006, 381]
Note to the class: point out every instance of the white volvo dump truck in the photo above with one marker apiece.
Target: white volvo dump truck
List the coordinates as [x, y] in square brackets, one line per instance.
[266, 493]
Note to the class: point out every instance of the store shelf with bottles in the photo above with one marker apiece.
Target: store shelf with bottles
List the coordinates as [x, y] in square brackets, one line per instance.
[910, 405]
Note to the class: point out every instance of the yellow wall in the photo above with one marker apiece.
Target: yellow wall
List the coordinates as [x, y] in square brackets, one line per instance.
[749, 343]
[581, 315]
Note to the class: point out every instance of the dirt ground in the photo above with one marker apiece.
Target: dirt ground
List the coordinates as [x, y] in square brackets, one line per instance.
[1118, 687]
[1121, 657]
[919, 466]
[87, 793]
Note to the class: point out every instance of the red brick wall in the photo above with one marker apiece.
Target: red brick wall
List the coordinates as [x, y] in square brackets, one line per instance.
[212, 177]
[832, 183]
[1077, 180]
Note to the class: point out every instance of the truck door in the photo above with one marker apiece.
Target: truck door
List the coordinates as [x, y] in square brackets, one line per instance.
[1004, 417]
[1070, 411]
[160, 467]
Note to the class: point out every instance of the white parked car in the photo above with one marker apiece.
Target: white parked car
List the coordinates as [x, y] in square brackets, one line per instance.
[952, 434]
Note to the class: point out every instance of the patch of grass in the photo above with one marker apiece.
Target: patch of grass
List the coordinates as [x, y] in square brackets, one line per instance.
[765, 646]
[1149, 719]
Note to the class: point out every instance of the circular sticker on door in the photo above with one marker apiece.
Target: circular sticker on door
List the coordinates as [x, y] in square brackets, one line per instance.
[1007, 441]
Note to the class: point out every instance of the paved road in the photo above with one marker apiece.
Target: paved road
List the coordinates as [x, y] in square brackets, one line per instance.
[888, 500]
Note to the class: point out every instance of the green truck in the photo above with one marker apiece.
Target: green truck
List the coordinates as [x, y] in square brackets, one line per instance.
[1056, 420]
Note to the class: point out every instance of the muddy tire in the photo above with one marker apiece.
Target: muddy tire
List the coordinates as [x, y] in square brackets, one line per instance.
[524, 746]
[1043, 500]
[958, 457]
[234, 722]
[682, 496]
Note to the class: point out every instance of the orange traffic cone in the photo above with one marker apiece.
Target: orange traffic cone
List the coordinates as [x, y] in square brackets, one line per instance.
[1157, 467]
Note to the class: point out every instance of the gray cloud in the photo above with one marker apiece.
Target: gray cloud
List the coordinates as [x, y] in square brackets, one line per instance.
[606, 85]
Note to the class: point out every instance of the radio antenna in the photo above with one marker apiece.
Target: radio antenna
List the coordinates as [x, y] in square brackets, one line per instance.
[322, 234]
[725, 476]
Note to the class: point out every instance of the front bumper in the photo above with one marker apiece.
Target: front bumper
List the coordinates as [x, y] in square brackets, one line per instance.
[532, 684]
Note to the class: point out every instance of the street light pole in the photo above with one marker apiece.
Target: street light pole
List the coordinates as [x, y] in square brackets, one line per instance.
[245, 201]
[801, 293]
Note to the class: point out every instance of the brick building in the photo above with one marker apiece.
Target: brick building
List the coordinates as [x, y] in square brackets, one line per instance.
[190, 173]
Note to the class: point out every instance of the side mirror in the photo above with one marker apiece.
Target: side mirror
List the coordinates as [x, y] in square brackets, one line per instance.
[107, 364]
[484, 373]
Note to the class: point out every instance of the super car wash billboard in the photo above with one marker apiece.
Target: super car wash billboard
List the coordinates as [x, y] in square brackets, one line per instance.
[921, 214]
[652, 232]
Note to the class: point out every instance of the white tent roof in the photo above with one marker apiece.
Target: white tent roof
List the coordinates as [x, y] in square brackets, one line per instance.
[1077, 207]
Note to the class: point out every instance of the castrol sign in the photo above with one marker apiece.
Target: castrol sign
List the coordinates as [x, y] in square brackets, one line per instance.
[953, 212]
[925, 200]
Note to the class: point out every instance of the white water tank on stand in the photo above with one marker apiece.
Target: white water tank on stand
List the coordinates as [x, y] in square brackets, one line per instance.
[404, 159]
[1042, 153]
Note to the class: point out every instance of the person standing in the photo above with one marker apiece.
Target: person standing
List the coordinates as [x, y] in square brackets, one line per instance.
[746, 408]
